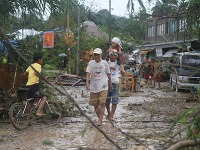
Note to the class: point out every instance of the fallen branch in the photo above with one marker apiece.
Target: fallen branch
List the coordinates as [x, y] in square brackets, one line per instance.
[171, 141]
[184, 144]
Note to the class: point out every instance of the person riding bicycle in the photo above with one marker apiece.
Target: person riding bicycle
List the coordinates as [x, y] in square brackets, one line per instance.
[33, 82]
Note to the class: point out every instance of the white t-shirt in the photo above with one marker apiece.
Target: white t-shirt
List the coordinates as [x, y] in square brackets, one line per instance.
[114, 71]
[98, 75]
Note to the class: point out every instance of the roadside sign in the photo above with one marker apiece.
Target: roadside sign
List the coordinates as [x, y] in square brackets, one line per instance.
[48, 40]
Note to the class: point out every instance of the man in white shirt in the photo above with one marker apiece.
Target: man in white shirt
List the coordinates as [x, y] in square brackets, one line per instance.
[98, 74]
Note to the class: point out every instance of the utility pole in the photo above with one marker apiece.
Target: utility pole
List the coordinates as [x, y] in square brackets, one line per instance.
[78, 42]
[110, 27]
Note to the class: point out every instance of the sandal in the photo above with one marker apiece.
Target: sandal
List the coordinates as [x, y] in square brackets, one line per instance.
[40, 114]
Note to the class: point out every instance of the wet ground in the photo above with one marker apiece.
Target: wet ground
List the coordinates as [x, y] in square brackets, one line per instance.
[141, 122]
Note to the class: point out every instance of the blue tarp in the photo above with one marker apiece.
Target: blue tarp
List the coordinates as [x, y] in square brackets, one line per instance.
[4, 46]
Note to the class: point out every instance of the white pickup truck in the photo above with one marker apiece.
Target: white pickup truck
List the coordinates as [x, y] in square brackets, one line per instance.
[185, 69]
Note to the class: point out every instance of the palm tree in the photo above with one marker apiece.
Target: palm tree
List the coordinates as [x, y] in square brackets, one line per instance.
[34, 6]
[24, 9]
[130, 6]
[37, 7]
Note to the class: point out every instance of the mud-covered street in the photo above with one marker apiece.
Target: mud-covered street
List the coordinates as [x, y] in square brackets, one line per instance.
[141, 122]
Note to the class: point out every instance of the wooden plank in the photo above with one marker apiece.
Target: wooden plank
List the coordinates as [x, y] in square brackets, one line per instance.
[8, 77]
[127, 82]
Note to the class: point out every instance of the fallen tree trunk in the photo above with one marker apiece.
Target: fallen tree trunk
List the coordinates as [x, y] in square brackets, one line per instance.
[184, 144]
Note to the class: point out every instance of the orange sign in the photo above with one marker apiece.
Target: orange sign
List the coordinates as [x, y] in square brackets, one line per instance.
[48, 40]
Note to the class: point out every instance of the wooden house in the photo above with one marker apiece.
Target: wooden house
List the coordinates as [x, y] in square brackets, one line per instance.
[165, 36]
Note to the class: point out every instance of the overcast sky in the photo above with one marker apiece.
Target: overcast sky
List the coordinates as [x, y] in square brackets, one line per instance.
[118, 6]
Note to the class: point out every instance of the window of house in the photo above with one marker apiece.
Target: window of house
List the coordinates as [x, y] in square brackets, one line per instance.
[182, 25]
[166, 28]
[161, 29]
[151, 31]
[185, 24]
[172, 26]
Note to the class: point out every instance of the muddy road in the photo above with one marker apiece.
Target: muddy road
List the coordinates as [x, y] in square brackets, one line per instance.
[142, 121]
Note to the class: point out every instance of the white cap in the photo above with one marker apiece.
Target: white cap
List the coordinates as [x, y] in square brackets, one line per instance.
[97, 51]
[117, 41]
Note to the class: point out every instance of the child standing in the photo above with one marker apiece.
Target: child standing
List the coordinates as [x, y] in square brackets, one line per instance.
[116, 45]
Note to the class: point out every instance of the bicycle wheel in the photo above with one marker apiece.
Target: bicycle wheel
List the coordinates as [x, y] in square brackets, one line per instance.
[17, 116]
[52, 113]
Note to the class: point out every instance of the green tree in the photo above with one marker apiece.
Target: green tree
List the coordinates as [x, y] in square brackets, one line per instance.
[22, 8]
[165, 8]
[193, 17]
[130, 6]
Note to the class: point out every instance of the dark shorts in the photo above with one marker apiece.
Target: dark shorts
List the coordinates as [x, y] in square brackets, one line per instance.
[147, 75]
[34, 91]
[157, 77]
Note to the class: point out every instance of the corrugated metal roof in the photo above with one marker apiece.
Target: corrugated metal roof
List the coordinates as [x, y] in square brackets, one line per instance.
[170, 52]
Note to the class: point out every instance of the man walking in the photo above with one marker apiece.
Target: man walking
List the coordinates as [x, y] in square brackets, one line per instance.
[147, 71]
[98, 74]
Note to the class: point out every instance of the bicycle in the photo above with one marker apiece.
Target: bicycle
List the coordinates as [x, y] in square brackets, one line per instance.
[23, 113]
